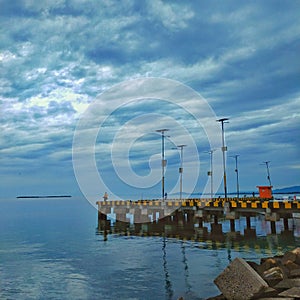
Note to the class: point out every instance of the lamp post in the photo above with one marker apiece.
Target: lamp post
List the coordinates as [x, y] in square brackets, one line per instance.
[181, 167]
[163, 161]
[224, 149]
[210, 173]
[268, 171]
[237, 175]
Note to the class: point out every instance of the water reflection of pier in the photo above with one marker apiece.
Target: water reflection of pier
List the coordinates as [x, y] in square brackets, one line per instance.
[203, 225]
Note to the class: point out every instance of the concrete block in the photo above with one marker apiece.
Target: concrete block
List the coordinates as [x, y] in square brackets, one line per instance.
[276, 298]
[269, 263]
[256, 267]
[292, 292]
[269, 293]
[273, 276]
[239, 281]
[288, 283]
[293, 256]
[291, 265]
[274, 273]
[219, 297]
[295, 273]
[276, 257]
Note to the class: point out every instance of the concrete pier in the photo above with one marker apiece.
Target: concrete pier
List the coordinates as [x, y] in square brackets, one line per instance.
[189, 212]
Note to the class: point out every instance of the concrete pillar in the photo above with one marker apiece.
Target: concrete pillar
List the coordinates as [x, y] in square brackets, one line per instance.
[250, 232]
[168, 219]
[198, 215]
[215, 219]
[137, 228]
[179, 217]
[248, 222]
[121, 217]
[216, 229]
[273, 227]
[232, 225]
[102, 216]
[190, 216]
[286, 224]
[200, 222]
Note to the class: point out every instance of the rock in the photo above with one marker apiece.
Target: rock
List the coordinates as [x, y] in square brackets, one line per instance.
[292, 292]
[269, 292]
[276, 257]
[276, 298]
[274, 273]
[293, 256]
[276, 277]
[219, 297]
[240, 281]
[258, 268]
[288, 283]
[291, 265]
[273, 276]
[295, 273]
[268, 264]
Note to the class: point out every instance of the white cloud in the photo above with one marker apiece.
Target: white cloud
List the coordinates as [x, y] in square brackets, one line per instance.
[61, 95]
[173, 16]
[7, 56]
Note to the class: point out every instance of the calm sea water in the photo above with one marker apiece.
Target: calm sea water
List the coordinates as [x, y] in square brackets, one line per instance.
[52, 249]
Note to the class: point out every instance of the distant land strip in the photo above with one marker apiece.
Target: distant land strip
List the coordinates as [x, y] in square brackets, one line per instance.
[48, 196]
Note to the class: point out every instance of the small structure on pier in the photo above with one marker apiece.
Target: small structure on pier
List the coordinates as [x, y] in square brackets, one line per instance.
[265, 192]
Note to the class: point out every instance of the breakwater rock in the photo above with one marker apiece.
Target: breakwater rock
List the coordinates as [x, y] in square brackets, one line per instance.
[276, 277]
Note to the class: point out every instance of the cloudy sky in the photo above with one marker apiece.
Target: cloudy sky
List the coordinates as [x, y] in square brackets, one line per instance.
[58, 57]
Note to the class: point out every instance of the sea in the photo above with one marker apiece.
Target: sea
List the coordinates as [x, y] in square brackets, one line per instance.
[55, 249]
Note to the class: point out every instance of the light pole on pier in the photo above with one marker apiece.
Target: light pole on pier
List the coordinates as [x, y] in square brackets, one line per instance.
[181, 167]
[163, 161]
[224, 149]
[237, 175]
[210, 172]
[268, 171]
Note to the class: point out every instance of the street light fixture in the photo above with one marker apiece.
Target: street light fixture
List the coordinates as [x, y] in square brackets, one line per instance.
[268, 171]
[210, 173]
[224, 149]
[237, 174]
[181, 167]
[163, 161]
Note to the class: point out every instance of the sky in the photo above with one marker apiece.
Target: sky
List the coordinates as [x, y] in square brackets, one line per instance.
[65, 66]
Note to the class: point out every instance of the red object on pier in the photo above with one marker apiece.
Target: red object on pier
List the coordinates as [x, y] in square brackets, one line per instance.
[265, 191]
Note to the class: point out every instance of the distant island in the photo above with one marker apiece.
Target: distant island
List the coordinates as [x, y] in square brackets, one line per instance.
[43, 197]
[288, 190]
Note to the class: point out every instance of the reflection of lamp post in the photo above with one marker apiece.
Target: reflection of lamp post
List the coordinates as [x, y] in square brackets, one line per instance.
[237, 175]
[163, 161]
[268, 171]
[181, 167]
[224, 149]
[210, 173]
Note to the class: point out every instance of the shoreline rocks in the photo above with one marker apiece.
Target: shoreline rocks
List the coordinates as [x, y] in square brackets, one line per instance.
[275, 277]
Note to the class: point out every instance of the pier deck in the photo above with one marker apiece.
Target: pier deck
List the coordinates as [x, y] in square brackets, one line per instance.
[147, 211]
